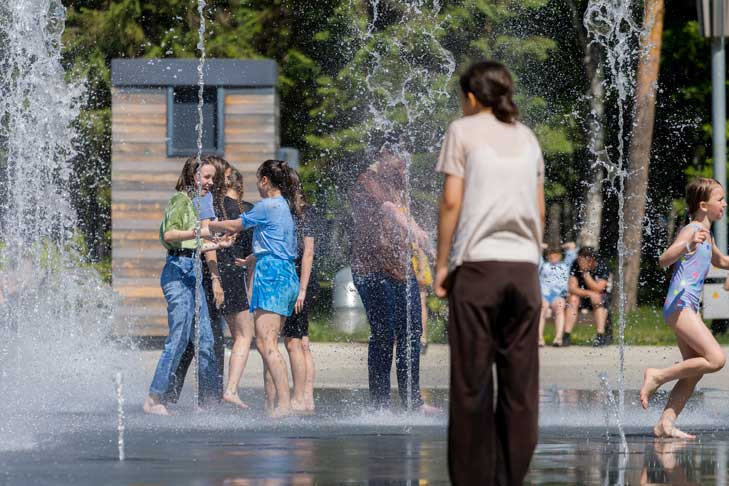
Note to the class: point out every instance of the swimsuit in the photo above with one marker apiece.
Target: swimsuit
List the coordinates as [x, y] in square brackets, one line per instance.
[688, 278]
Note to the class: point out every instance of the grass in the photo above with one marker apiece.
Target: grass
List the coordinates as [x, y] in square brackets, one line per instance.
[643, 327]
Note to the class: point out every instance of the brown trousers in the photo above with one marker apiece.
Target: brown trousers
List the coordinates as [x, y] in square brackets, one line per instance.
[494, 318]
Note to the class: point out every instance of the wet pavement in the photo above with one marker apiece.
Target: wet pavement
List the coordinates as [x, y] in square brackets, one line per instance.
[345, 443]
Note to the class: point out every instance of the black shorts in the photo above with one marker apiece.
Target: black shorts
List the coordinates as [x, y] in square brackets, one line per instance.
[586, 303]
[297, 325]
[233, 279]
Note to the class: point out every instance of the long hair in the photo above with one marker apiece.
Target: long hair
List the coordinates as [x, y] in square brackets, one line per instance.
[283, 178]
[221, 165]
[490, 82]
[186, 181]
[235, 182]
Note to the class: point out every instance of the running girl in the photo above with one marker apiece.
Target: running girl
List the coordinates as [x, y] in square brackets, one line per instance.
[691, 255]
[275, 283]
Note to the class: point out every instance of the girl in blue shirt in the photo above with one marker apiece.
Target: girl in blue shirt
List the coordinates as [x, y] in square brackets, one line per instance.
[275, 283]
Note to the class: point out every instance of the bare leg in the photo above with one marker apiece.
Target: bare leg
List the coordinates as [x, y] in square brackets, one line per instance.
[423, 317]
[542, 320]
[558, 309]
[298, 372]
[692, 333]
[600, 313]
[242, 330]
[268, 326]
[310, 372]
[570, 314]
[269, 390]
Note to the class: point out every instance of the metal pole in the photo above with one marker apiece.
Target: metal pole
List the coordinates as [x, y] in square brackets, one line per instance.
[718, 117]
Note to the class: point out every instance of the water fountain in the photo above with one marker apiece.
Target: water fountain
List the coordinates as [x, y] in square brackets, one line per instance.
[55, 318]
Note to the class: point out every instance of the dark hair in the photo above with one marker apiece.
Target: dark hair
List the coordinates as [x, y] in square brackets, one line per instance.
[235, 183]
[218, 189]
[491, 84]
[186, 181]
[285, 179]
[586, 252]
[698, 191]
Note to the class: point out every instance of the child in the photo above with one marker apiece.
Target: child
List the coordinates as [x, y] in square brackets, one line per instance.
[179, 233]
[554, 274]
[489, 240]
[275, 283]
[691, 255]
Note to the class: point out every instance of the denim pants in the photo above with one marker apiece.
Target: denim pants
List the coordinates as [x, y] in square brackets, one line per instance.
[178, 286]
[385, 300]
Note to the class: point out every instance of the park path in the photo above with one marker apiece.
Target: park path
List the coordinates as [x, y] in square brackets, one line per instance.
[341, 365]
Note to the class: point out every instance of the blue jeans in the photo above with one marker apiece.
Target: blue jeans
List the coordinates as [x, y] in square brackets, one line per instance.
[385, 300]
[178, 286]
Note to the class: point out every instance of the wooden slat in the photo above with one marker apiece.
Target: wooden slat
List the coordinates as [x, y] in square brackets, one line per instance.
[121, 118]
[158, 149]
[132, 224]
[248, 99]
[150, 96]
[135, 235]
[133, 109]
[137, 291]
[250, 121]
[141, 214]
[149, 164]
[156, 252]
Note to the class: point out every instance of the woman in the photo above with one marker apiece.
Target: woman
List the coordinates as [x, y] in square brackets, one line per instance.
[179, 234]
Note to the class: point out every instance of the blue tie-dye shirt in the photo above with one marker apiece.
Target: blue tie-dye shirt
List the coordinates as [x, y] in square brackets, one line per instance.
[273, 228]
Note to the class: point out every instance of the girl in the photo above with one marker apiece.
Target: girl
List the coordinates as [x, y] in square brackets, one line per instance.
[492, 218]
[179, 232]
[275, 283]
[296, 328]
[691, 255]
[230, 206]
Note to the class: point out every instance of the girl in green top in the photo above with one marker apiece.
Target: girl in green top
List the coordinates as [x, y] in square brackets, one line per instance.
[179, 232]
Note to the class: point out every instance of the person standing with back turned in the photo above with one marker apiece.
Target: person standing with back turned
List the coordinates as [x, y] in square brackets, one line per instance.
[489, 245]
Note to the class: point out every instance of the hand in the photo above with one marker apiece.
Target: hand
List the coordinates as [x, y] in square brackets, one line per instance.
[699, 237]
[239, 262]
[570, 245]
[300, 301]
[218, 295]
[224, 241]
[441, 274]
[206, 234]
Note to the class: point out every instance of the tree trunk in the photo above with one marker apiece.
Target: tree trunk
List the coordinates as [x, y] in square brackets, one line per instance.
[589, 234]
[553, 227]
[636, 182]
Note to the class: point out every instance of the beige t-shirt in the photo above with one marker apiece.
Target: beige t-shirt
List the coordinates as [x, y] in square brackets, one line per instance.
[501, 165]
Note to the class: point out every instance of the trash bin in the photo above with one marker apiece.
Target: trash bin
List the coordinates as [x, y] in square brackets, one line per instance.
[349, 312]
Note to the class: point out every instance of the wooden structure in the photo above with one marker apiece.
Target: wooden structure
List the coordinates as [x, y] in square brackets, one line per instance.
[154, 112]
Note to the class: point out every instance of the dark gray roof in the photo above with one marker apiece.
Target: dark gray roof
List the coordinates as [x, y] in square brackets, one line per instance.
[183, 72]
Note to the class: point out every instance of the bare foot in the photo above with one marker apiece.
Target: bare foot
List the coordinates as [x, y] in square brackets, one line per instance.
[310, 407]
[665, 429]
[299, 408]
[541, 343]
[426, 409]
[231, 396]
[153, 407]
[280, 412]
[650, 385]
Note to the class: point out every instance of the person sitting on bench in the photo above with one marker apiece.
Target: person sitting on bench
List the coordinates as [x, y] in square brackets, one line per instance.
[587, 288]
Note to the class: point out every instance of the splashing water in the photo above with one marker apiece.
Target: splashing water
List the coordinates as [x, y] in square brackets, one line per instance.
[611, 25]
[402, 88]
[55, 312]
[118, 381]
[199, 129]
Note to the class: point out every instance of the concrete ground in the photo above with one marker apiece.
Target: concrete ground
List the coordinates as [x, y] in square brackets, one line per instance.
[345, 366]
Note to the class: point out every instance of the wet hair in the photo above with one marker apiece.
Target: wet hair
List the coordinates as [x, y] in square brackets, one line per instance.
[300, 203]
[235, 183]
[491, 83]
[586, 252]
[218, 189]
[280, 176]
[186, 181]
[698, 191]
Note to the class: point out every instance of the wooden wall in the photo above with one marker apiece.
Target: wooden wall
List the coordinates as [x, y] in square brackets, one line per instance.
[143, 180]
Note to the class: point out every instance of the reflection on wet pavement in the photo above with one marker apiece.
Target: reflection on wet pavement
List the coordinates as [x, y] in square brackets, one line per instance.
[349, 444]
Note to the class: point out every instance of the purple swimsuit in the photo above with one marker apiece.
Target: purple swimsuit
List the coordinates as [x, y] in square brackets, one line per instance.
[688, 277]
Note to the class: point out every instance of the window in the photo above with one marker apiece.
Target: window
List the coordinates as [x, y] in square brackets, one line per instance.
[182, 117]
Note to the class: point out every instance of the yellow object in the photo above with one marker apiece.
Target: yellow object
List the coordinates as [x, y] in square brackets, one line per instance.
[421, 267]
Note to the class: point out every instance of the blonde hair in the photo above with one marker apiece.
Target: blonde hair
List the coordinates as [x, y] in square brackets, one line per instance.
[698, 191]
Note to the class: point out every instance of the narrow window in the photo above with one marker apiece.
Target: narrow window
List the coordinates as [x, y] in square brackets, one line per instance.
[182, 118]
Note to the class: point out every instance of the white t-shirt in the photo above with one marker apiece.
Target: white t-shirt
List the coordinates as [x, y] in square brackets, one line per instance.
[501, 165]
